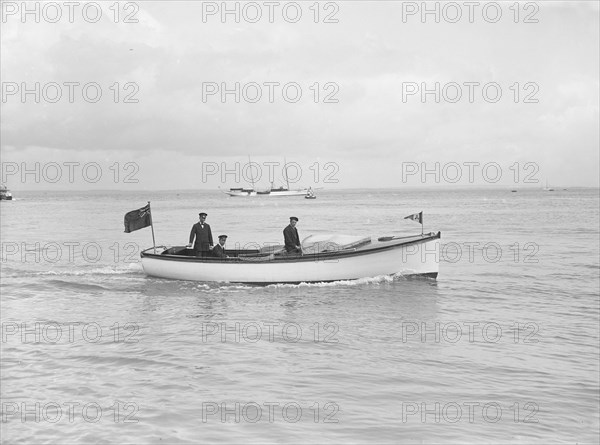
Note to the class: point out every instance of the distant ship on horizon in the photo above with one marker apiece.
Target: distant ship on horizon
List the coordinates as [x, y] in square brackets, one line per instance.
[271, 191]
[5, 194]
[280, 191]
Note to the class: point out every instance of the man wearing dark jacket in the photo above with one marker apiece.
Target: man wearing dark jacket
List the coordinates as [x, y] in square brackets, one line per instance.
[204, 240]
[219, 249]
[291, 238]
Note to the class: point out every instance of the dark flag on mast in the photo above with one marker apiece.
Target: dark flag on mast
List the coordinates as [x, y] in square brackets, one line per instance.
[418, 217]
[138, 219]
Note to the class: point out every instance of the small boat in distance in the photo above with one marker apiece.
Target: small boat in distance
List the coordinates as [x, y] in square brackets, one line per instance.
[310, 194]
[5, 194]
[548, 189]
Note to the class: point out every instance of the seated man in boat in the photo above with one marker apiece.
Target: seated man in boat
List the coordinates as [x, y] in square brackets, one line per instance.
[219, 249]
[203, 235]
[291, 238]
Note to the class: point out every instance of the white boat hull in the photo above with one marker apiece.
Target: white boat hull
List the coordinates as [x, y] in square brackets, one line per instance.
[270, 194]
[414, 256]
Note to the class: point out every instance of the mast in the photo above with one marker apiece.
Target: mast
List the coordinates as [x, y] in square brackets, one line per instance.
[251, 177]
[152, 227]
[286, 175]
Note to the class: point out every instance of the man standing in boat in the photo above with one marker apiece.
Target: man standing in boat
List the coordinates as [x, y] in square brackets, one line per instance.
[291, 238]
[204, 240]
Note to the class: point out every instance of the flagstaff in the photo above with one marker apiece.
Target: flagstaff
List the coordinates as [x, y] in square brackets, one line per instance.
[152, 227]
[418, 217]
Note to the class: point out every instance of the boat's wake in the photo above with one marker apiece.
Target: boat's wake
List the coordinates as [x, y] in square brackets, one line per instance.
[135, 269]
[358, 282]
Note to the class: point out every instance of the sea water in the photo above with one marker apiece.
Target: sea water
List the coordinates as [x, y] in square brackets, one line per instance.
[502, 347]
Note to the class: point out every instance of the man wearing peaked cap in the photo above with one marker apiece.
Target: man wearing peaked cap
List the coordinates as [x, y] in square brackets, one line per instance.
[219, 249]
[291, 237]
[203, 236]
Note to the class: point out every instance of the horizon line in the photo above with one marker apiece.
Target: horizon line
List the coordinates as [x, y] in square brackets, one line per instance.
[412, 187]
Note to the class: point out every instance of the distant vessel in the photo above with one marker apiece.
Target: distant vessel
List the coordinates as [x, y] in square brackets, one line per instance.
[548, 189]
[271, 192]
[310, 194]
[280, 191]
[5, 194]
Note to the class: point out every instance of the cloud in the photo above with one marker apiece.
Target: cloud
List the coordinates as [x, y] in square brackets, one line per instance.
[165, 64]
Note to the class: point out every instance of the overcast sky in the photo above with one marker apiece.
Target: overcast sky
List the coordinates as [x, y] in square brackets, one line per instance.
[361, 119]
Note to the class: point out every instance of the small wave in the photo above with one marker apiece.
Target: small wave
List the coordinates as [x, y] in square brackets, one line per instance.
[99, 271]
[198, 285]
[76, 286]
[108, 270]
[357, 282]
[232, 288]
[141, 363]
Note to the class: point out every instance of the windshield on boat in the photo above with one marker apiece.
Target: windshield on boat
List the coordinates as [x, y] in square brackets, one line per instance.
[331, 242]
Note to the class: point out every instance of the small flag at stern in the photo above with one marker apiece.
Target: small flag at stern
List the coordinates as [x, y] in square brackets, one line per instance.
[418, 217]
